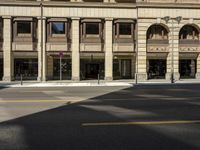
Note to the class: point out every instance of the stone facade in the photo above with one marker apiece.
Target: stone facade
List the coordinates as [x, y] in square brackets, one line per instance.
[173, 41]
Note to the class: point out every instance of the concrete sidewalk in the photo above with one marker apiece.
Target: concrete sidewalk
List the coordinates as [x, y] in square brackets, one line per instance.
[86, 83]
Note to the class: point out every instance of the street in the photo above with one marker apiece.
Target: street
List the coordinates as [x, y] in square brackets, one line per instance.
[143, 117]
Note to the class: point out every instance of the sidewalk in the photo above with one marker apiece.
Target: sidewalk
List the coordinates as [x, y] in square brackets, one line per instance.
[85, 83]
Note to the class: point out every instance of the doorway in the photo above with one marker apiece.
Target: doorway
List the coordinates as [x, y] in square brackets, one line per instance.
[187, 68]
[92, 70]
[157, 69]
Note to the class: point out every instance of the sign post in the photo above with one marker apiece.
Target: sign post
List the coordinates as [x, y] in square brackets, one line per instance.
[61, 56]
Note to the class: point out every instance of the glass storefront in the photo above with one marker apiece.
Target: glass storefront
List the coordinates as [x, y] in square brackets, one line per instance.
[1, 69]
[157, 69]
[28, 68]
[66, 69]
[90, 69]
[187, 68]
[122, 69]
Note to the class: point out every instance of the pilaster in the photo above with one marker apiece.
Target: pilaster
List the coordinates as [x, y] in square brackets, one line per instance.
[75, 49]
[141, 73]
[7, 49]
[42, 49]
[108, 49]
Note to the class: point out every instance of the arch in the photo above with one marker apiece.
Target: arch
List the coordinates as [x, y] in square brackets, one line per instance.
[189, 32]
[157, 32]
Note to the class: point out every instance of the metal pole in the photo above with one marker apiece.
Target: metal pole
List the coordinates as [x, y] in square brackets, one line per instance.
[21, 79]
[172, 57]
[60, 67]
[136, 41]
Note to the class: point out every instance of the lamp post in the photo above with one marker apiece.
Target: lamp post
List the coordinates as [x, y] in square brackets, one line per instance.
[178, 19]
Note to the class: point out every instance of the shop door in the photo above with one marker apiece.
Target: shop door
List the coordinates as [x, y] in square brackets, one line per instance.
[157, 69]
[92, 71]
[126, 69]
[187, 68]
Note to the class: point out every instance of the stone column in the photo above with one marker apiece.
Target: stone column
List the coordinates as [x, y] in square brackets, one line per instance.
[108, 49]
[76, 0]
[141, 62]
[75, 49]
[7, 49]
[198, 67]
[109, 1]
[42, 49]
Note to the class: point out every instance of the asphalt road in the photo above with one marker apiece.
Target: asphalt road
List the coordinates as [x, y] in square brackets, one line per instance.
[144, 117]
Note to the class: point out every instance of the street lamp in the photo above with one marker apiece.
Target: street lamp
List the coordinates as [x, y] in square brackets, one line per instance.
[178, 19]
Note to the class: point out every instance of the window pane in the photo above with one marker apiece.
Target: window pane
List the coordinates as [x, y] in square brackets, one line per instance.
[92, 28]
[24, 27]
[125, 29]
[58, 28]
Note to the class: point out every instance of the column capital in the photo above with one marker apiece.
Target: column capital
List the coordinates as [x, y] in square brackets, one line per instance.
[75, 18]
[6, 17]
[108, 19]
[41, 18]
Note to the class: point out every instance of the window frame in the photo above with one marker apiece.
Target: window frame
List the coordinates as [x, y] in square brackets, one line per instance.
[91, 35]
[54, 35]
[24, 34]
[122, 36]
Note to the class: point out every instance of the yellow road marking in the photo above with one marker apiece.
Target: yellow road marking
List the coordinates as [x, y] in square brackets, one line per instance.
[142, 123]
[32, 101]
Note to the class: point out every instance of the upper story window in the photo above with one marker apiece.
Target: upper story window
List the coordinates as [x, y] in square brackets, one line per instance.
[58, 27]
[24, 27]
[92, 29]
[157, 32]
[124, 29]
[189, 33]
[58, 30]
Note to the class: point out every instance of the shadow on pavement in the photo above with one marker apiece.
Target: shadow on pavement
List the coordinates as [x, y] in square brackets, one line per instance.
[61, 128]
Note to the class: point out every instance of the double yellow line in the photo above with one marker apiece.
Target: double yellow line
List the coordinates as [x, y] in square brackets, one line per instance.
[143, 123]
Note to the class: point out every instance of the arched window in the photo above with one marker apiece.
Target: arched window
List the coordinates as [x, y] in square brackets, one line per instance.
[189, 32]
[157, 32]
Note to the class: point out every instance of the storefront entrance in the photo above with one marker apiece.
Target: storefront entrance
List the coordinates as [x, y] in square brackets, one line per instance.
[187, 68]
[157, 69]
[91, 69]
[66, 67]
[122, 69]
[1, 69]
[28, 68]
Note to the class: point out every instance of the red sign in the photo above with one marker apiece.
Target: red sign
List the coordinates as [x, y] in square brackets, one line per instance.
[61, 54]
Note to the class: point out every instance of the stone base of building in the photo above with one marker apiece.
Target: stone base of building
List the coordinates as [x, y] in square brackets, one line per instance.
[168, 76]
[109, 78]
[75, 78]
[197, 76]
[7, 78]
[176, 76]
[141, 76]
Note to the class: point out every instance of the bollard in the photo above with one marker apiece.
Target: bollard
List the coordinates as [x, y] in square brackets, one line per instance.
[21, 79]
[98, 79]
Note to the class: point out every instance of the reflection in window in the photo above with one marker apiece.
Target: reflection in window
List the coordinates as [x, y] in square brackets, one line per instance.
[58, 28]
[189, 33]
[24, 27]
[92, 28]
[124, 29]
[157, 32]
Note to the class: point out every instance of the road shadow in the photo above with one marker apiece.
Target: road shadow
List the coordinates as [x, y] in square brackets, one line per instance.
[62, 128]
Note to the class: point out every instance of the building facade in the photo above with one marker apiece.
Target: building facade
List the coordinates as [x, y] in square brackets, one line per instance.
[110, 39]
